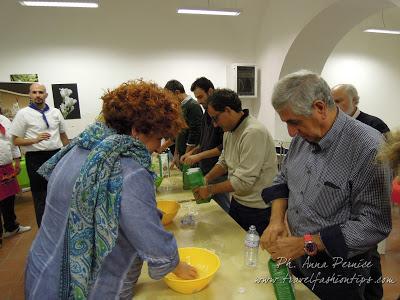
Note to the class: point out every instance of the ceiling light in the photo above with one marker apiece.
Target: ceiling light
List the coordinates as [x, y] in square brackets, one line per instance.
[62, 3]
[202, 11]
[382, 31]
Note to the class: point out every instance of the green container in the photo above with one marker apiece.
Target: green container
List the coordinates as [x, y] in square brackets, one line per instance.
[23, 179]
[155, 167]
[281, 280]
[195, 179]
[186, 185]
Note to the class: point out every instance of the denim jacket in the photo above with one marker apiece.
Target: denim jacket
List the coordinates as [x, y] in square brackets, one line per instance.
[141, 235]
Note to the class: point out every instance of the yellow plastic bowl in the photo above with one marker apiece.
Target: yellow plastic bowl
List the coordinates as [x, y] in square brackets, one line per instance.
[206, 263]
[169, 208]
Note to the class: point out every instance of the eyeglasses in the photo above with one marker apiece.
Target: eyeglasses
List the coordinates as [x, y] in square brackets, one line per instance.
[216, 117]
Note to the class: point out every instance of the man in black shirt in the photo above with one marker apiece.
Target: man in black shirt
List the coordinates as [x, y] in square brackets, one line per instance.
[189, 137]
[206, 153]
[346, 97]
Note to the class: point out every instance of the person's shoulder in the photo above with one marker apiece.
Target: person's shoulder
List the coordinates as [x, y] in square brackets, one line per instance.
[131, 167]
[54, 110]
[23, 113]
[254, 124]
[25, 110]
[373, 121]
[4, 119]
[256, 127]
[361, 134]
[192, 103]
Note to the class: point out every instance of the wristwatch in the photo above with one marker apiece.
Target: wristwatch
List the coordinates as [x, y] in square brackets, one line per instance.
[310, 247]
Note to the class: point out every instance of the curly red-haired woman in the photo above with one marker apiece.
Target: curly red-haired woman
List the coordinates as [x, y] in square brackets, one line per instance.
[101, 220]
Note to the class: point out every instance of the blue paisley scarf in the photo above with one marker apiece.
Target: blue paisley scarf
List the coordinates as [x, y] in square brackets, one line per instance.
[93, 217]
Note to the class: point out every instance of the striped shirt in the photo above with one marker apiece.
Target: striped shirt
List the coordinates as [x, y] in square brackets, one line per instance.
[336, 188]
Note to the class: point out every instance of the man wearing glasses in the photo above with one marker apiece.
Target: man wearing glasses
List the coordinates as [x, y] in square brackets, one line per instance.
[248, 157]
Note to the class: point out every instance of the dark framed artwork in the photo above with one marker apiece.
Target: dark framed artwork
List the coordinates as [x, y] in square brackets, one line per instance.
[24, 77]
[65, 96]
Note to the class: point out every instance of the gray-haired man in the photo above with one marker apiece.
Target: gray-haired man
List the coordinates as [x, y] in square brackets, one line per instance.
[346, 97]
[336, 197]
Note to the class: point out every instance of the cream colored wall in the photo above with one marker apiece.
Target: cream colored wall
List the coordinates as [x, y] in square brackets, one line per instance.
[371, 62]
[123, 39]
[301, 35]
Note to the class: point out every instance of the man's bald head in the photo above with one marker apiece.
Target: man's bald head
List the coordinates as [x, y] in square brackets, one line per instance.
[38, 94]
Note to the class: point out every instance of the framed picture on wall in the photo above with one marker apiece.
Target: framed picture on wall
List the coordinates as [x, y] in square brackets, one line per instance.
[24, 77]
[13, 97]
[66, 99]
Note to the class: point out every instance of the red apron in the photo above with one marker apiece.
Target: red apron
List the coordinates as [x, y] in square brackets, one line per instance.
[8, 182]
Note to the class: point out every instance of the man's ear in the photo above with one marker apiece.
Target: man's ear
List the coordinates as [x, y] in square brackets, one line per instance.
[320, 107]
[354, 101]
[210, 91]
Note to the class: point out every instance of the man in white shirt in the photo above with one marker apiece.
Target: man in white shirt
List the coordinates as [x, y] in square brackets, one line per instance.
[40, 130]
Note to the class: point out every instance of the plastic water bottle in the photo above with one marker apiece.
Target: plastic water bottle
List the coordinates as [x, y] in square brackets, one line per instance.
[164, 164]
[251, 242]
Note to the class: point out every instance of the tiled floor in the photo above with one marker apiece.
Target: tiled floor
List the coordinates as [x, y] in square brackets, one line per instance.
[15, 249]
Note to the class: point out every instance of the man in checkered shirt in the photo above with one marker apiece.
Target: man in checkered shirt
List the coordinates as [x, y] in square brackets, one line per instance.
[334, 193]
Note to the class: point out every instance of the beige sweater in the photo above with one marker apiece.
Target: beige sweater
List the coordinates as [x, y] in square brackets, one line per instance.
[250, 158]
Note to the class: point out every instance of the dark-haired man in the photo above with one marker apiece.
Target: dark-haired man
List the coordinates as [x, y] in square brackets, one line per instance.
[206, 153]
[248, 156]
[189, 137]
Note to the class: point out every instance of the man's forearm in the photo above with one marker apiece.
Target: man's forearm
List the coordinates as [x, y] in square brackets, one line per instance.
[195, 150]
[215, 172]
[221, 187]
[190, 148]
[209, 153]
[64, 139]
[278, 210]
[19, 141]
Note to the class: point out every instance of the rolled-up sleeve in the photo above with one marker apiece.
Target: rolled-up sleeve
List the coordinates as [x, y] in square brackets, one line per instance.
[16, 153]
[279, 188]
[140, 222]
[62, 122]
[18, 125]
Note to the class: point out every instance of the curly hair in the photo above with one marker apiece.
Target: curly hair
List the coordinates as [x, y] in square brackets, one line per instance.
[144, 106]
[390, 151]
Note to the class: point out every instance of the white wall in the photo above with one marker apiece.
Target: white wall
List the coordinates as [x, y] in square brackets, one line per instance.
[122, 40]
[126, 39]
[301, 35]
[371, 62]
[283, 21]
